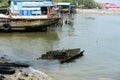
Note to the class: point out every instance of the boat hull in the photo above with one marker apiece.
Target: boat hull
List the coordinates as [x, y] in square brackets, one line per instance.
[11, 24]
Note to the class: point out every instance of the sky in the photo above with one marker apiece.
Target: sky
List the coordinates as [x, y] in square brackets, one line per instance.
[113, 1]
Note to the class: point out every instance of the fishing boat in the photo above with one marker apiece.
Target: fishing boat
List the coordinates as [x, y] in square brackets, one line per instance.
[29, 15]
[65, 7]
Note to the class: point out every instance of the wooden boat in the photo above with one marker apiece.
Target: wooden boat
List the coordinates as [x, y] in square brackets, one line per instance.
[65, 7]
[40, 22]
[63, 55]
[29, 15]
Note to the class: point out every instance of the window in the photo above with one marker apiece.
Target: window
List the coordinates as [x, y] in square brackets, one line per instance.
[15, 3]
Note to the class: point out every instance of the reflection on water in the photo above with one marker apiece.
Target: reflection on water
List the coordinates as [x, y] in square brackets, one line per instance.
[97, 34]
[26, 45]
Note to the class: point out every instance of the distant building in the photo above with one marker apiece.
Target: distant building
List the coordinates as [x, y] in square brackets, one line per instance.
[109, 5]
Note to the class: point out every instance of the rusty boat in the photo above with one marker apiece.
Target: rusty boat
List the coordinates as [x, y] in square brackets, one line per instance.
[28, 15]
[8, 23]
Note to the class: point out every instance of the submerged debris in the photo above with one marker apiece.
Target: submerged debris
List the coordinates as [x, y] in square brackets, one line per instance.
[63, 55]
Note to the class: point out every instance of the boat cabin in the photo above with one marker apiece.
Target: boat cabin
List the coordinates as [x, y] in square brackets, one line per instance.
[3, 10]
[65, 7]
[30, 7]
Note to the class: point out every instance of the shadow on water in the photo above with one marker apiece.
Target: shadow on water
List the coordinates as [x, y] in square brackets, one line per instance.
[33, 35]
[22, 45]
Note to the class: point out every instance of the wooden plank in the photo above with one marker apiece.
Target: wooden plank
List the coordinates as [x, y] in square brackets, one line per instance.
[15, 64]
[72, 58]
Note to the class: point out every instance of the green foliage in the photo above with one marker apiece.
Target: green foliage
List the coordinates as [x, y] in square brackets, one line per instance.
[4, 3]
[88, 4]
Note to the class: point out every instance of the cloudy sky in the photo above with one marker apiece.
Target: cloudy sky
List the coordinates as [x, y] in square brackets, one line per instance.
[113, 1]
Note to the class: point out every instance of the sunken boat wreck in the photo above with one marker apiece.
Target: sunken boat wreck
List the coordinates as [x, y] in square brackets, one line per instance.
[65, 55]
[29, 15]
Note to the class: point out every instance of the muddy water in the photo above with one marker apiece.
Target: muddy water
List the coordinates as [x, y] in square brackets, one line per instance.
[97, 34]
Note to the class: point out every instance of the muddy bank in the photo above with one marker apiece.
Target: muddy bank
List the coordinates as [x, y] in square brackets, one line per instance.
[98, 11]
[26, 74]
[20, 73]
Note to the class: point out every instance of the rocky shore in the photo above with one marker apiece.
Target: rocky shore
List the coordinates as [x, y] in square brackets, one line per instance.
[98, 11]
[20, 73]
[26, 74]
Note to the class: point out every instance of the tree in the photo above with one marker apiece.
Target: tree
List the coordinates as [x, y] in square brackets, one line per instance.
[4, 3]
[88, 4]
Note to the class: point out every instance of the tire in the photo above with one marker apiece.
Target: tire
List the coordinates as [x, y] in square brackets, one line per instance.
[6, 27]
[44, 29]
[6, 70]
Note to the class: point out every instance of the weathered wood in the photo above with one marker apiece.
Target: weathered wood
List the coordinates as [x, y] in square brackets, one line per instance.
[15, 64]
[73, 57]
[65, 55]
[60, 54]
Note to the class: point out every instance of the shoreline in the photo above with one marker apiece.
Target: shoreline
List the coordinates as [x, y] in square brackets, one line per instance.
[27, 74]
[98, 11]
[22, 73]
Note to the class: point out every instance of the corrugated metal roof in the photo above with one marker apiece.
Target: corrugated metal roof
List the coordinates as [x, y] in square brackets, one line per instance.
[46, 4]
[35, 2]
[63, 3]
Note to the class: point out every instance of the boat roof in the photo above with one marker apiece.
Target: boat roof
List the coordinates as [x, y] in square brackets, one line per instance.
[63, 3]
[46, 4]
[41, 2]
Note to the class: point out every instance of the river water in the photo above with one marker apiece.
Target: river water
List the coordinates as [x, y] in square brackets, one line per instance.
[97, 34]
